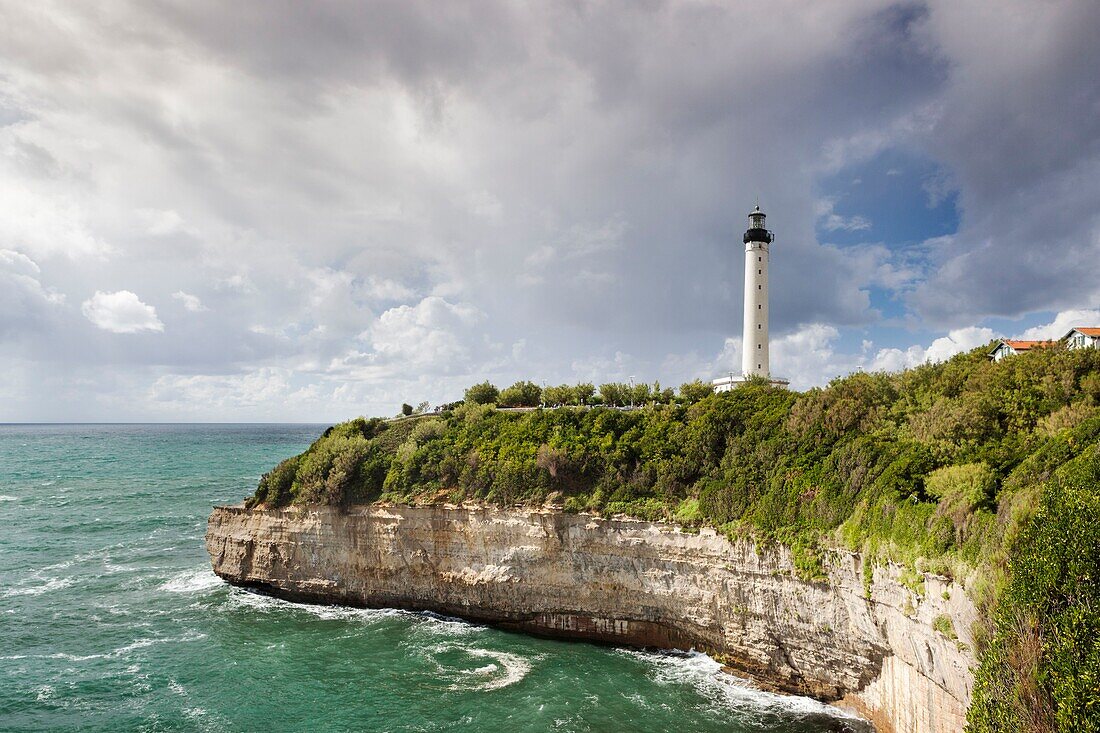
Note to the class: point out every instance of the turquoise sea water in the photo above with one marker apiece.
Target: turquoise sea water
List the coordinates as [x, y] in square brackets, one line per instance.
[110, 619]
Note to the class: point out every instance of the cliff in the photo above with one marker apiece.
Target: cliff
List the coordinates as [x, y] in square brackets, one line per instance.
[628, 582]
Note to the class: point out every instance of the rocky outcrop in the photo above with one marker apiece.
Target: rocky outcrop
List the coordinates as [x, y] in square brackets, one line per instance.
[629, 582]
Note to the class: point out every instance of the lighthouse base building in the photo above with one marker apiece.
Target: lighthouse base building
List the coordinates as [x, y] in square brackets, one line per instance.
[727, 383]
[755, 355]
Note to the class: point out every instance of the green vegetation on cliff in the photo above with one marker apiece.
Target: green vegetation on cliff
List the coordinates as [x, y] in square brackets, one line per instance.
[1041, 671]
[986, 472]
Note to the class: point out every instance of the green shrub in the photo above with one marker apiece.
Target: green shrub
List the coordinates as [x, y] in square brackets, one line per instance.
[275, 485]
[945, 626]
[1041, 670]
[1067, 418]
[689, 513]
[967, 486]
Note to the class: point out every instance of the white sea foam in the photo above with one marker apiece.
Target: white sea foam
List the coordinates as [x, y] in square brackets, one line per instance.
[733, 693]
[445, 625]
[126, 650]
[192, 581]
[37, 590]
[264, 603]
[102, 554]
[267, 604]
[504, 668]
[198, 715]
[5, 497]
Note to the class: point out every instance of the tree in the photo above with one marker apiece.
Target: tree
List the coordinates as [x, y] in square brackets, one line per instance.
[616, 394]
[406, 409]
[695, 390]
[584, 392]
[661, 396]
[521, 394]
[563, 394]
[482, 394]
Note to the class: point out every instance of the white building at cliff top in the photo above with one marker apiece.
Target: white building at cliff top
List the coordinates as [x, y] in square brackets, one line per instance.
[755, 356]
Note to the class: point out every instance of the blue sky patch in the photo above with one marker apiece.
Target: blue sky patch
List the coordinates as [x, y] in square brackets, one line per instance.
[895, 198]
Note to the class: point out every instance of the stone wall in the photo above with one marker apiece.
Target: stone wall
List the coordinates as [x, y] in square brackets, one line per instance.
[627, 582]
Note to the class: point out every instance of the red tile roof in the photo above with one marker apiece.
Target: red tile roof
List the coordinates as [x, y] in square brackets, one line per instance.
[1020, 345]
[1089, 330]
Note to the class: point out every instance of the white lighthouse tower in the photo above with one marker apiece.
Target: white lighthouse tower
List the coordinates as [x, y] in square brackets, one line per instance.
[755, 360]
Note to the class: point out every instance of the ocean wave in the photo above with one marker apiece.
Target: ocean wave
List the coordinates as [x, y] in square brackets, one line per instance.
[504, 668]
[125, 650]
[37, 590]
[101, 554]
[437, 625]
[5, 497]
[266, 604]
[430, 623]
[735, 694]
[192, 581]
[196, 714]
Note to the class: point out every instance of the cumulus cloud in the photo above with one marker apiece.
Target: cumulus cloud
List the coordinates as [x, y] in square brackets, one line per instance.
[428, 335]
[941, 349]
[121, 312]
[191, 302]
[1061, 325]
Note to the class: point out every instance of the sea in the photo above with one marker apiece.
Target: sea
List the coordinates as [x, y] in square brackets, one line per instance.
[111, 619]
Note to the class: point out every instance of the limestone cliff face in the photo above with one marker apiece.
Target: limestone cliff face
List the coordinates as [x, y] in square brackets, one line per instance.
[627, 582]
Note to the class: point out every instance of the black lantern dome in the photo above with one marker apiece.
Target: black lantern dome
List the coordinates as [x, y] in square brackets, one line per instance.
[757, 232]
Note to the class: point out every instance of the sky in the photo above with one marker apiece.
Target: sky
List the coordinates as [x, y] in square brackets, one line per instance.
[268, 210]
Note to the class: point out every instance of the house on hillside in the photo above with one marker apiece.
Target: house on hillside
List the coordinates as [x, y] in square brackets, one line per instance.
[1008, 347]
[1085, 337]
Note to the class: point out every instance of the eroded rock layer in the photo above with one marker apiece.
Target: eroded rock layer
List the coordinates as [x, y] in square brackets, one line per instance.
[628, 582]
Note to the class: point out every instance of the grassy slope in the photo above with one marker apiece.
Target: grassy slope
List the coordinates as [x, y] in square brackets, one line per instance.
[955, 468]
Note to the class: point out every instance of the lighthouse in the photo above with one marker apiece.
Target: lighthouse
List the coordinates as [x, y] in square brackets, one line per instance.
[755, 359]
